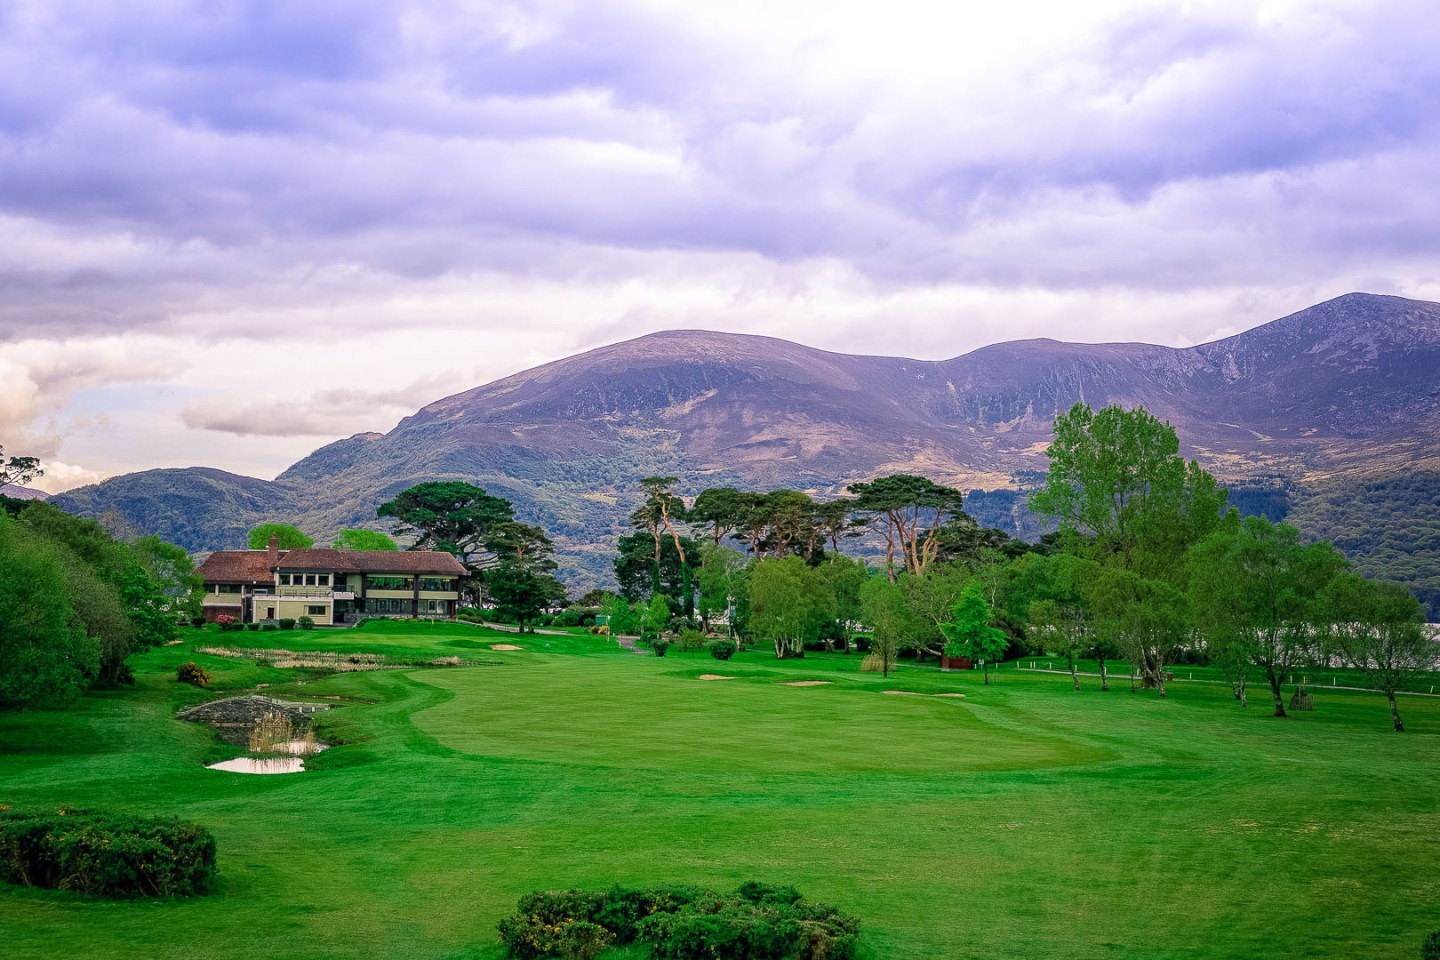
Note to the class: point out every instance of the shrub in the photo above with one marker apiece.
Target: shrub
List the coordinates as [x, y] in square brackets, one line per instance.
[758, 922]
[721, 649]
[224, 620]
[197, 621]
[107, 855]
[252, 626]
[659, 645]
[1430, 949]
[192, 672]
[306, 623]
[287, 623]
[266, 627]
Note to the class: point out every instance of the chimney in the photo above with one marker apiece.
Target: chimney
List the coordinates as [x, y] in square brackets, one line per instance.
[274, 549]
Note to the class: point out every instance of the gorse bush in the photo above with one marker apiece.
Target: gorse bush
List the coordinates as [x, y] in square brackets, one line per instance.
[757, 922]
[106, 855]
[191, 672]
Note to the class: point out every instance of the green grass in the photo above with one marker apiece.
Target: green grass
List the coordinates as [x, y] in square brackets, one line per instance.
[1022, 821]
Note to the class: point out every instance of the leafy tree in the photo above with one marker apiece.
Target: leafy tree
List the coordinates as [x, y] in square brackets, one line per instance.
[655, 618]
[596, 597]
[847, 577]
[1255, 590]
[910, 512]
[620, 616]
[1119, 490]
[718, 579]
[969, 633]
[291, 538]
[1144, 618]
[1379, 629]
[46, 657]
[657, 517]
[172, 571]
[521, 593]
[931, 599]
[722, 509]
[452, 516]
[523, 545]
[18, 470]
[634, 567]
[1059, 612]
[790, 603]
[893, 624]
[355, 539]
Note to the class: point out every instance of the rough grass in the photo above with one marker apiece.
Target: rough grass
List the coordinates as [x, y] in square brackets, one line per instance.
[1023, 821]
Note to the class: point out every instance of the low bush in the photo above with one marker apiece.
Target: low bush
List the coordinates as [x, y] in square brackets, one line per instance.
[252, 626]
[266, 627]
[689, 640]
[287, 623]
[660, 645]
[305, 623]
[757, 922]
[1430, 949]
[721, 649]
[197, 621]
[191, 672]
[106, 855]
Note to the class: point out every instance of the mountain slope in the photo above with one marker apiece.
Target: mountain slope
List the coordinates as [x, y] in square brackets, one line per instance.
[1347, 385]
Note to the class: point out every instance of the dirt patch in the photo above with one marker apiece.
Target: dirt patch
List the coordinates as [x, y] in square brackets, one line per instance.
[807, 683]
[505, 646]
[714, 676]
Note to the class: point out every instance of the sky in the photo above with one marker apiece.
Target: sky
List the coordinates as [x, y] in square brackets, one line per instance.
[232, 232]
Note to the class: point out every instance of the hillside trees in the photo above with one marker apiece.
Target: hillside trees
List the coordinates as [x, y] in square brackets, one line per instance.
[910, 513]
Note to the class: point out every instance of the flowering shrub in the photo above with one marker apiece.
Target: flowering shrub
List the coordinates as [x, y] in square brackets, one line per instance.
[224, 620]
[106, 855]
[192, 672]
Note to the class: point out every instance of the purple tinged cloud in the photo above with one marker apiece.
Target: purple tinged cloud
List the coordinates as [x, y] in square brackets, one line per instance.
[211, 168]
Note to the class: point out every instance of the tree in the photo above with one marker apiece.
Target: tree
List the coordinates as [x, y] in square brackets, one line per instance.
[18, 470]
[620, 616]
[1121, 493]
[655, 618]
[657, 517]
[847, 577]
[718, 578]
[522, 544]
[363, 540]
[910, 512]
[1255, 590]
[291, 538]
[1144, 619]
[969, 634]
[635, 567]
[452, 516]
[893, 625]
[172, 570]
[521, 593]
[1058, 611]
[722, 509]
[46, 656]
[1378, 628]
[790, 603]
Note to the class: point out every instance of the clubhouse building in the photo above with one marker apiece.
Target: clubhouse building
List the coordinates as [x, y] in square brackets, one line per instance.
[329, 586]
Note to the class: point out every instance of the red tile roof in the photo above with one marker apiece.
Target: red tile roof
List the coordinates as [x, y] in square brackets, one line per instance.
[242, 566]
[372, 561]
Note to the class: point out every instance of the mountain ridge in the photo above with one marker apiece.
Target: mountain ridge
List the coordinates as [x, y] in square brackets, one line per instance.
[1345, 386]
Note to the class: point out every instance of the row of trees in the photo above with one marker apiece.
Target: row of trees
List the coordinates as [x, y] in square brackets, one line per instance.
[1147, 564]
[75, 602]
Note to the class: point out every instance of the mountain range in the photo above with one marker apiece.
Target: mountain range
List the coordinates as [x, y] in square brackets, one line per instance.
[1349, 386]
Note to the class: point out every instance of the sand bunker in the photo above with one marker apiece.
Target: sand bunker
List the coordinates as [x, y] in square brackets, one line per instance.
[505, 646]
[960, 695]
[714, 676]
[903, 693]
[261, 765]
[807, 683]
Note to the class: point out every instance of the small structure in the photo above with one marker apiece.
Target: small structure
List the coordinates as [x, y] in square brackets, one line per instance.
[948, 663]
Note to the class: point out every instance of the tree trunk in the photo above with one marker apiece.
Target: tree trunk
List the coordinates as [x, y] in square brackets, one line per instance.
[985, 666]
[1132, 678]
[1104, 679]
[1395, 711]
[1275, 692]
[1074, 675]
[1160, 682]
[1243, 701]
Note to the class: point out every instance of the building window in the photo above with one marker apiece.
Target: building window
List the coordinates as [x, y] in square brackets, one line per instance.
[324, 579]
[284, 579]
[315, 610]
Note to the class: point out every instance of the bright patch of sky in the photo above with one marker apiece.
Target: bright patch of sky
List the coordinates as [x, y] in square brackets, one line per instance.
[231, 232]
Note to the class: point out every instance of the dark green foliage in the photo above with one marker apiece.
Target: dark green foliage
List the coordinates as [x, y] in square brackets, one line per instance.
[1430, 949]
[660, 646]
[107, 855]
[721, 649]
[355, 539]
[453, 516]
[758, 922]
[305, 623]
[290, 538]
[192, 673]
[287, 623]
[252, 626]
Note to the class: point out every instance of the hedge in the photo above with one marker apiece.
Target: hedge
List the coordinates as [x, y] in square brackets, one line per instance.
[107, 855]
